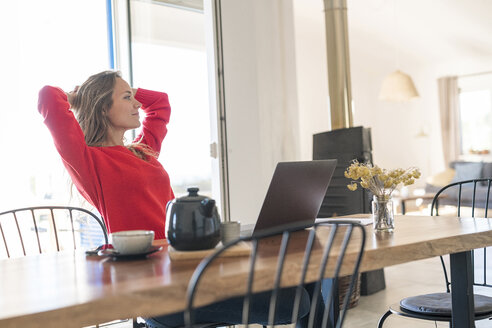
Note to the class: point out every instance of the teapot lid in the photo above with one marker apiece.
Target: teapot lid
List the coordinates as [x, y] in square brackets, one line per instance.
[192, 196]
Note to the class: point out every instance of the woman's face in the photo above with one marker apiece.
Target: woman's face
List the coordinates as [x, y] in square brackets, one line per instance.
[123, 114]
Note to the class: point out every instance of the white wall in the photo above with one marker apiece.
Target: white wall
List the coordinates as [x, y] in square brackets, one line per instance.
[312, 73]
[377, 49]
[394, 126]
[419, 50]
[260, 95]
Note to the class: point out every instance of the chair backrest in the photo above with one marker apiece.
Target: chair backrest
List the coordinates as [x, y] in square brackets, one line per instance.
[39, 229]
[472, 198]
[321, 249]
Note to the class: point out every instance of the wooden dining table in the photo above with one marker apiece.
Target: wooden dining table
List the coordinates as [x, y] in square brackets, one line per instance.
[71, 289]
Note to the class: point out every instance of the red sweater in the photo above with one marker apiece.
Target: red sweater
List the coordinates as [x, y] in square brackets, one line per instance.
[130, 193]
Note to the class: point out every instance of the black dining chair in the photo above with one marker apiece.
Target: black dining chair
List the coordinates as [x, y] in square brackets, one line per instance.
[40, 229]
[43, 229]
[473, 199]
[308, 303]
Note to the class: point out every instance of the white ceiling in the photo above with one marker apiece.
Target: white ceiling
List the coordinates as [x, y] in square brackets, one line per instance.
[430, 31]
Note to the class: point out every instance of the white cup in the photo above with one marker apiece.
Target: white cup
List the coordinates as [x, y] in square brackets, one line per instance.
[132, 241]
[230, 231]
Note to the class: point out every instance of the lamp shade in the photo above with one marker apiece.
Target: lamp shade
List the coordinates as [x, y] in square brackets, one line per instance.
[398, 86]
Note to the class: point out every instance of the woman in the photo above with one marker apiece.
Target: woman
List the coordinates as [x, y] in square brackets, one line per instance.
[126, 183]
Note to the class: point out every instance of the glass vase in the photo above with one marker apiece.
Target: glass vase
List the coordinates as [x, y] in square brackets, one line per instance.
[382, 213]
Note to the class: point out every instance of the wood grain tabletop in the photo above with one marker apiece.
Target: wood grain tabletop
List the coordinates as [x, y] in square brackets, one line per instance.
[70, 289]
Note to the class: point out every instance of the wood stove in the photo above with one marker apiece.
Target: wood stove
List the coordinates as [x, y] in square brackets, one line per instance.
[345, 145]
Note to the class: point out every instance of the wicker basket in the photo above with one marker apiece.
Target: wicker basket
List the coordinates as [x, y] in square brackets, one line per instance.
[343, 285]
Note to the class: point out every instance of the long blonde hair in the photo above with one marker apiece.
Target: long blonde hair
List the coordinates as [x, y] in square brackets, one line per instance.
[91, 105]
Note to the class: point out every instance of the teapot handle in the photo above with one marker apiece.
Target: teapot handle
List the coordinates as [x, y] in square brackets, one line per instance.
[167, 205]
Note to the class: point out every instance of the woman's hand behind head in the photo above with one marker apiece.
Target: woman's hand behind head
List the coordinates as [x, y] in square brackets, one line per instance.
[72, 95]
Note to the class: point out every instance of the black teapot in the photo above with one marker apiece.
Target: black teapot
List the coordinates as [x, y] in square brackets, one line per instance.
[192, 222]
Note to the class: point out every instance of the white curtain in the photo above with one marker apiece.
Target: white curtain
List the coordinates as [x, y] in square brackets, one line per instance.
[449, 106]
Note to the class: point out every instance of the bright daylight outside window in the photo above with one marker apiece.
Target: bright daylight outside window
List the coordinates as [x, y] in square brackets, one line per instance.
[476, 122]
[56, 42]
[168, 54]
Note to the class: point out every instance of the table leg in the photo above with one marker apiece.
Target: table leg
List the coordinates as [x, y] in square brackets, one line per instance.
[462, 290]
[403, 210]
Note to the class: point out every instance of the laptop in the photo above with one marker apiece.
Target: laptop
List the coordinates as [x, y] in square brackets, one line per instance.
[295, 194]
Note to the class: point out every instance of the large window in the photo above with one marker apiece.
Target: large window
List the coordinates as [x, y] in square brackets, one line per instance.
[61, 43]
[476, 115]
[56, 42]
[168, 54]
[476, 122]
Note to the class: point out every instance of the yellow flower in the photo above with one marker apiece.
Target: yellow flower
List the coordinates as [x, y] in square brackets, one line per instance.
[376, 170]
[409, 182]
[352, 186]
[389, 183]
[380, 181]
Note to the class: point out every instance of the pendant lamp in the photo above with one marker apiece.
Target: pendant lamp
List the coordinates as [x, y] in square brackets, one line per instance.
[398, 86]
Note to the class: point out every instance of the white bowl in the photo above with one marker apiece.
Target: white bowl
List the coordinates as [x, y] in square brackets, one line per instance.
[132, 241]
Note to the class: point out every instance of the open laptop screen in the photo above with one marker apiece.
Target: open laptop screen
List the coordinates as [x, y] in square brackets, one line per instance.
[295, 194]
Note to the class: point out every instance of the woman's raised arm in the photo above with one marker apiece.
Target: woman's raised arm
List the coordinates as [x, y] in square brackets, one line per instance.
[54, 106]
[157, 113]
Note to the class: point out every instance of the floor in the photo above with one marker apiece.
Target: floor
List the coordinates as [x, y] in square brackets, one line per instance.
[402, 280]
